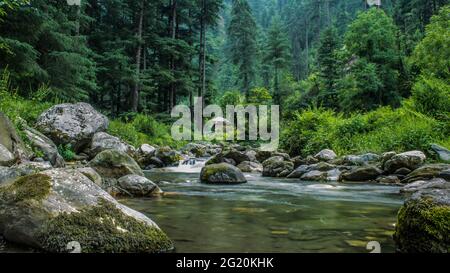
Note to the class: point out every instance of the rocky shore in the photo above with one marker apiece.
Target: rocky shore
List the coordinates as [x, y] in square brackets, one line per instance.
[46, 203]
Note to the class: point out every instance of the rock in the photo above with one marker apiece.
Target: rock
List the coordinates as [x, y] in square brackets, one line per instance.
[198, 150]
[219, 158]
[286, 156]
[250, 167]
[411, 160]
[311, 160]
[222, 173]
[251, 155]
[403, 171]
[277, 167]
[46, 146]
[301, 170]
[326, 155]
[26, 168]
[114, 164]
[147, 150]
[423, 224]
[426, 172]
[73, 124]
[386, 156]
[236, 156]
[168, 156]
[137, 186]
[442, 153]
[436, 183]
[102, 141]
[91, 174]
[10, 140]
[445, 174]
[362, 174]
[298, 161]
[262, 156]
[360, 160]
[391, 179]
[154, 162]
[314, 176]
[49, 209]
[6, 157]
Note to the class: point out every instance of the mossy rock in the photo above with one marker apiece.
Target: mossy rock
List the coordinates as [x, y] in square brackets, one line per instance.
[50, 209]
[222, 173]
[115, 164]
[423, 227]
[168, 156]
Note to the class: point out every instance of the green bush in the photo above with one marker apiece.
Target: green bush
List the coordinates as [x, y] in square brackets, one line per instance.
[432, 97]
[143, 129]
[378, 131]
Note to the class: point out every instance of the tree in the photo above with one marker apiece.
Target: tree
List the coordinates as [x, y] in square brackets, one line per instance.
[242, 42]
[277, 54]
[371, 43]
[328, 63]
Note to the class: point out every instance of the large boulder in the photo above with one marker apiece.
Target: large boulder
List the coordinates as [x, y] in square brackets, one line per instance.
[362, 174]
[250, 167]
[441, 152]
[137, 186]
[113, 164]
[102, 141]
[424, 220]
[262, 156]
[91, 174]
[222, 173]
[277, 166]
[73, 124]
[426, 172]
[51, 209]
[45, 145]
[10, 140]
[411, 160]
[326, 155]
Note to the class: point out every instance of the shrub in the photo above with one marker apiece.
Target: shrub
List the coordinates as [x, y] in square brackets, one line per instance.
[66, 152]
[432, 97]
[377, 131]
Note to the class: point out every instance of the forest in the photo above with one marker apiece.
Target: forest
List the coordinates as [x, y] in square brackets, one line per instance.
[347, 74]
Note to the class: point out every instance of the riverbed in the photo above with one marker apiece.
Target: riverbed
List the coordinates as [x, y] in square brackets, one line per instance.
[271, 215]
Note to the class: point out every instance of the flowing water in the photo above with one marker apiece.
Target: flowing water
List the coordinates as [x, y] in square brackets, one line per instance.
[270, 215]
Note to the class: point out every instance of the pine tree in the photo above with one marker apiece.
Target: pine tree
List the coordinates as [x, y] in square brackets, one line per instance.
[242, 42]
[277, 54]
[327, 60]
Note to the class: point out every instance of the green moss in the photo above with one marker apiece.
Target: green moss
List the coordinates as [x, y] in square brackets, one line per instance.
[103, 229]
[35, 186]
[423, 226]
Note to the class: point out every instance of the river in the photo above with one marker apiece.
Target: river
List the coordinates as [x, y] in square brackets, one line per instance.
[270, 214]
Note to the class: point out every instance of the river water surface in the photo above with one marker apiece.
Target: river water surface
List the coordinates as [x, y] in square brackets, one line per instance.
[271, 215]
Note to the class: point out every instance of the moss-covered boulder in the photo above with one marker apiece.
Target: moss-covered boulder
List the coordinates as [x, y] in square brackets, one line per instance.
[51, 209]
[424, 220]
[168, 156]
[222, 173]
[102, 141]
[114, 164]
[277, 166]
[6, 157]
[250, 167]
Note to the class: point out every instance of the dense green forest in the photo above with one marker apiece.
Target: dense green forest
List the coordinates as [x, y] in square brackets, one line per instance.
[347, 76]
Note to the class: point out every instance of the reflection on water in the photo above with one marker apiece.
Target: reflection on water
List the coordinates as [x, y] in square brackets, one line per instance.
[271, 215]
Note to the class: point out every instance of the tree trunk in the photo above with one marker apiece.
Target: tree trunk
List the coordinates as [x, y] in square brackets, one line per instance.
[135, 95]
[172, 61]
